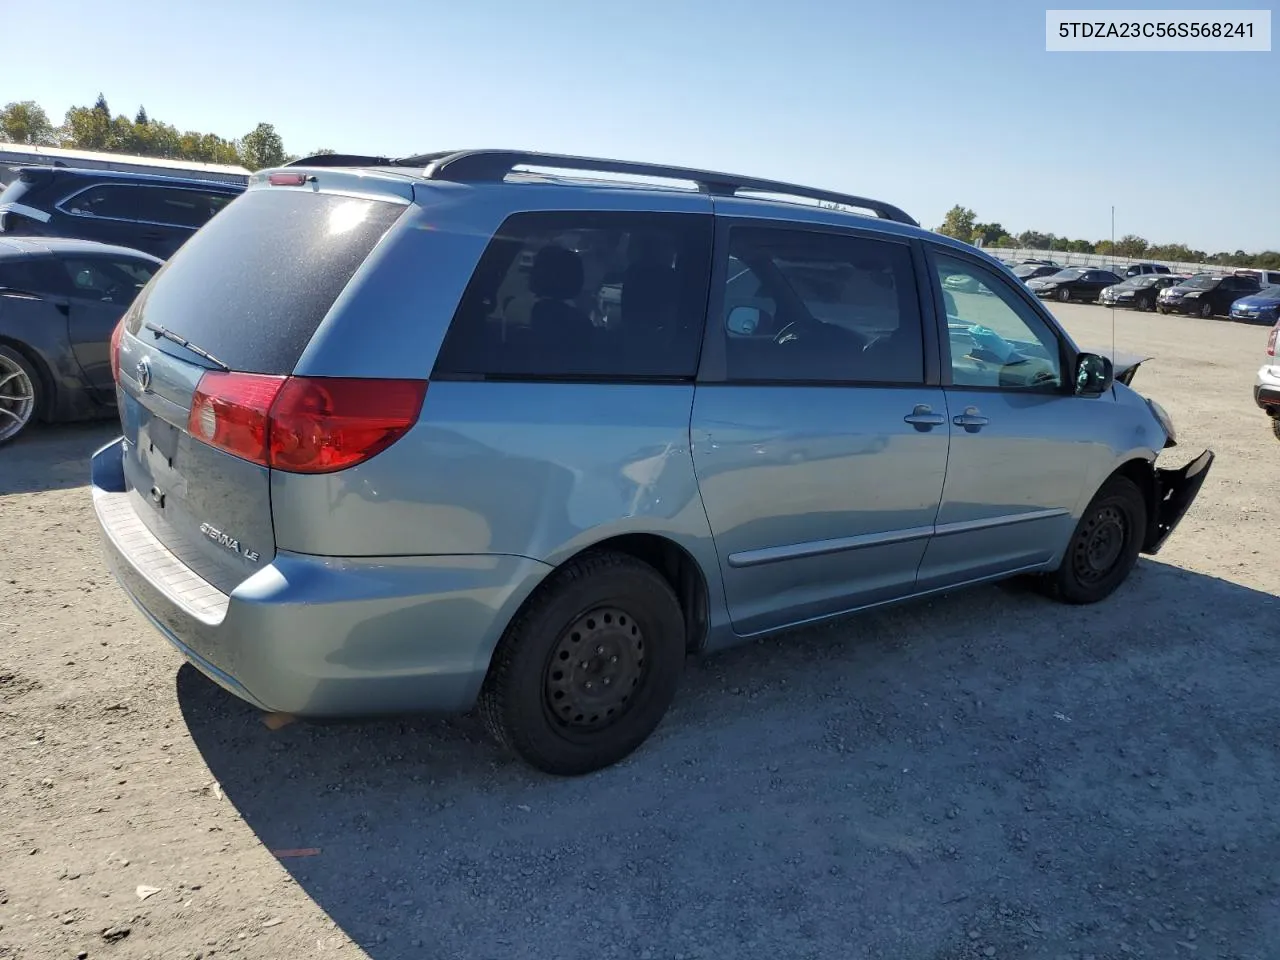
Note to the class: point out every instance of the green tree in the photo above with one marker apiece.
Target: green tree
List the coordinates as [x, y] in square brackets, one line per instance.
[1131, 245]
[86, 128]
[141, 120]
[26, 122]
[1033, 240]
[958, 223]
[988, 233]
[1105, 248]
[322, 152]
[262, 147]
[1005, 241]
[1079, 246]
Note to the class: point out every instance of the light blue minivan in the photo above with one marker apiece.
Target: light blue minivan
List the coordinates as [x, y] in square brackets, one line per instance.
[524, 431]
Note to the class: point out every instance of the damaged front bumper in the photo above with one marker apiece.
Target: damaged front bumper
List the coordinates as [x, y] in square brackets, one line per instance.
[1175, 491]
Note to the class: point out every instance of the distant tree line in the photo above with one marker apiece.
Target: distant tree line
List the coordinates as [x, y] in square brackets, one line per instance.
[94, 128]
[961, 223]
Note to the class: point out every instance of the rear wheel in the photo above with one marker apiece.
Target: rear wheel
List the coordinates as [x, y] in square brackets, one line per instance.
[1064, 294]
[19, 393]
[1275, 426]
[585, 674]
[1104, 547]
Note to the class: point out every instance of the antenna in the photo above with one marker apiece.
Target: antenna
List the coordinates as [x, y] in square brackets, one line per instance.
[1113, 260]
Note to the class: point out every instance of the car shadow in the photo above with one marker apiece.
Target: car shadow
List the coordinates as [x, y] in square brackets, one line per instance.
[983, 768]
[52, 456]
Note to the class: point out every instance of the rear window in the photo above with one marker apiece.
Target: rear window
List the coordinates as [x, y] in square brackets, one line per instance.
[585, 295]
[252, 286]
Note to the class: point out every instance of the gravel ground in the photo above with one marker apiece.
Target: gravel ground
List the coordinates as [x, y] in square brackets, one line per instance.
[982, 775]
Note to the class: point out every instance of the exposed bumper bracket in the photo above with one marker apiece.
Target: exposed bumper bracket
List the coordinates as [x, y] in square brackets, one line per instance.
[1175, 491]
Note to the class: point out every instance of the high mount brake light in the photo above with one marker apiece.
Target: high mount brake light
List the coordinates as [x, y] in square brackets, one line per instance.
[303, 424]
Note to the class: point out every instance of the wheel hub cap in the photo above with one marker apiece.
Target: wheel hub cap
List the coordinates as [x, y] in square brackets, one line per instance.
[1100, 545]
[595, 668]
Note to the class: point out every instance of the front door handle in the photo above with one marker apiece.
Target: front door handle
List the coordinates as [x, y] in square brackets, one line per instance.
[923, 418]
[972, 420]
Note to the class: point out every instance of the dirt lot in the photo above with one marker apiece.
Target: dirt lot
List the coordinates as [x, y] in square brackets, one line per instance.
[983, 775]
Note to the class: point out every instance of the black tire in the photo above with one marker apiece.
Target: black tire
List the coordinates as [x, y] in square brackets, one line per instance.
[19, 379]
[1163, 311]
[1275, 426]
[1146, 304]
[1104, 546]
[1064, 295]
[543, 714]
[1206, 310]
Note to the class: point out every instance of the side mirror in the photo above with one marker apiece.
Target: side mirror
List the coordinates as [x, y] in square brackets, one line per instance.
[1094, 375]
[745, 321]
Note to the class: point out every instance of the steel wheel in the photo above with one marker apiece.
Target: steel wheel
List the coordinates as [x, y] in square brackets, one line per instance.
[17, 396]
[594, 669]
[1100, 544]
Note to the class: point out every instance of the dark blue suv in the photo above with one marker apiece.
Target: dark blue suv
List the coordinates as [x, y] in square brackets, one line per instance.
[153, 214]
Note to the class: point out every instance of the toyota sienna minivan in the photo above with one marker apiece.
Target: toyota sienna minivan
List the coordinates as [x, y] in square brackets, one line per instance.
[523, 432]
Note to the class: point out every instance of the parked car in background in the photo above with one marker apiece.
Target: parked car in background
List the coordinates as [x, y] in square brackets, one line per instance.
[154, 214]
[1261, 306]
[363, 488]
[1265, 278]
[1073, 283]
[1205, 294]
[1142, 269]
[59, 302]
[1266, 388]
[1140, 291]
[1026, 272]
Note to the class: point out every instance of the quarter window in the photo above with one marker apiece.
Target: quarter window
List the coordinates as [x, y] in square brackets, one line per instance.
[598, 294]
[806, 306]
[995, 338]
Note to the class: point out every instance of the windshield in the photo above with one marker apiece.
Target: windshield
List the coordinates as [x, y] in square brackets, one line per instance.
[1071, 273]
[1202, 282]
[1269, 293]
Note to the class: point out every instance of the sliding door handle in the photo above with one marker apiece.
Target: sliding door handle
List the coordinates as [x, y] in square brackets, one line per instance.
[923, 418]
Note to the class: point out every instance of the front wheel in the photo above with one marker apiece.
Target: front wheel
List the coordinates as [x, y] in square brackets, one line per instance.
[586, 672]
[1206, 310]
[1275, 426]
[1064, 295]
[1104, 547]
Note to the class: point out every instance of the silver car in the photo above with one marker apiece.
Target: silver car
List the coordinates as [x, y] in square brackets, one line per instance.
[1266, 388]
[384, 450]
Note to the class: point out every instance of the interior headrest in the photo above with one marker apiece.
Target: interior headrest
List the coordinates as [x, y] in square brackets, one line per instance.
[556, 274]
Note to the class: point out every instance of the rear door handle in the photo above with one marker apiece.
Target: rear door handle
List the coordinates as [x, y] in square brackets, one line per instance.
[972, 420]
[923, 418]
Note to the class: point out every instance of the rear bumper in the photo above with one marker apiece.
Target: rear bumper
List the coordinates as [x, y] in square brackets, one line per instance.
[321, 636]
[1266, 390]
[1175, 491]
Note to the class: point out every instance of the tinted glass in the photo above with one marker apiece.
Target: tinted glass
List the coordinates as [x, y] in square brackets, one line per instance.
[254, 284]
[180, 208]
[1271, 293]
[996, 340]
[108, 200]
[1071, 273]
[584, 294]
[815, 307]
[116, 281]
[29, 275]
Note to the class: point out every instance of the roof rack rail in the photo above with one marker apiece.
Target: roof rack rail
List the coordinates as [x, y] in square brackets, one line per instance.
[341, 160]
[494, 165]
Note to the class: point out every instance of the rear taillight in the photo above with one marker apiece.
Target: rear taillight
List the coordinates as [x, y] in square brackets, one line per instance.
[1271, 341]
[303, 424]
[115, 351]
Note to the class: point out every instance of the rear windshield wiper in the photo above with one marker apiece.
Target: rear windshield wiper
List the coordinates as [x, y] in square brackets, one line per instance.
[168, 334]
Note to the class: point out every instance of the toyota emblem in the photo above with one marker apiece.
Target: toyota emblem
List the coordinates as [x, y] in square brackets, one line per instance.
[144, 374]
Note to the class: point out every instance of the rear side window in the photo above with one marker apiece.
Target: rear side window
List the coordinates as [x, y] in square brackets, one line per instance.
[253, 285]
[585, 295]
[30, 275]
[113, 280]
[171, 206]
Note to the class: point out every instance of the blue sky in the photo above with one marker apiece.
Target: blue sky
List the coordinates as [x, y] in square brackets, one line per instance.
[922, 104]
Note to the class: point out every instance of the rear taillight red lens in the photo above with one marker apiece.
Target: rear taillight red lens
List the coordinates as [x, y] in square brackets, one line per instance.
[1271, 343]
[231, 411]
[324, 424]
[115, 351]
[303, 424]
